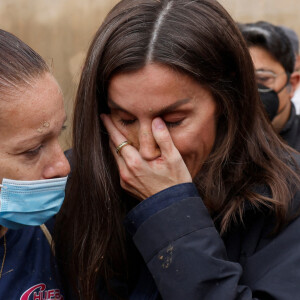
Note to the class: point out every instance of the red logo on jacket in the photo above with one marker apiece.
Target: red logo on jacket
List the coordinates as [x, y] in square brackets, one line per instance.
[39, 292]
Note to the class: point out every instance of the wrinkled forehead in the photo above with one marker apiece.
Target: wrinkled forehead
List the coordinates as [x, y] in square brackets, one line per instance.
[34, 94]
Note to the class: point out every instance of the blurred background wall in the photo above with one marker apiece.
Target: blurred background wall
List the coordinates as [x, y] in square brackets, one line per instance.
[61, 30]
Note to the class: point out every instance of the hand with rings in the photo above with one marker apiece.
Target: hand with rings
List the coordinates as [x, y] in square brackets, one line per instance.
[123, 144]
[141, 177]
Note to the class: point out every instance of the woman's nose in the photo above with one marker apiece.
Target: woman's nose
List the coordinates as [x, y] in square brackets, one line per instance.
[58, 166]
[148, 147]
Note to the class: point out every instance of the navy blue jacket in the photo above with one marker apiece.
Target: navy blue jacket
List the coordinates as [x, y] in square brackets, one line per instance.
[29, 271]
[291, 131]
[177, 252]
[189, 260]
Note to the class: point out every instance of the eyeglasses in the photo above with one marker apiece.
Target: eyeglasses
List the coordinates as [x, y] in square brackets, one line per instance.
[266, 80]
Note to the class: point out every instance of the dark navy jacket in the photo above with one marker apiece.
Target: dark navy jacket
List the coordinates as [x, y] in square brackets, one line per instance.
[29, 271]
[185, 258]
[291, 131]
[188, 259]
[177, 252]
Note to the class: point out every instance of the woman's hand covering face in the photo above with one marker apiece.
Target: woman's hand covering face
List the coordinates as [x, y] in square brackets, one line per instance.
[144, 178]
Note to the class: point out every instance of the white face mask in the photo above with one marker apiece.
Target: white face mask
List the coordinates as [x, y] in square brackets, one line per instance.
[30, 203]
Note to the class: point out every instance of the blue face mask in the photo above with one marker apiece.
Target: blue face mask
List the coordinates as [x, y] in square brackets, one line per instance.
[30, 202]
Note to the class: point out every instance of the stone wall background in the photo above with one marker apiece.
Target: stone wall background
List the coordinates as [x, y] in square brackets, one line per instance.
[61, 30]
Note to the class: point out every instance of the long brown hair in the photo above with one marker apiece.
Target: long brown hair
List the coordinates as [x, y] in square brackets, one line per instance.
[198, 38]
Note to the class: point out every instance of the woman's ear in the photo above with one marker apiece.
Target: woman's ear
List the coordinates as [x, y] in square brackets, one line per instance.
[294, 82]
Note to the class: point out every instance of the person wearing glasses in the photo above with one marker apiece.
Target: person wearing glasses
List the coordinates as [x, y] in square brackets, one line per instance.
[274, 62]
[293, 37]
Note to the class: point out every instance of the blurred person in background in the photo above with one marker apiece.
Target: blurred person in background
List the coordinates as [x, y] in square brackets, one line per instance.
[33, 172]
[293, 37]
[180, 188]
[274, 62]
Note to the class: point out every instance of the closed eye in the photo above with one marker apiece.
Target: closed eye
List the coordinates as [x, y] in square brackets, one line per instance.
[168, 124]
[33, 152]
[173, 124]
[127, 122]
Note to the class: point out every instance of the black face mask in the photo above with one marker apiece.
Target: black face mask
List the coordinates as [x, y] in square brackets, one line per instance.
[270, 101]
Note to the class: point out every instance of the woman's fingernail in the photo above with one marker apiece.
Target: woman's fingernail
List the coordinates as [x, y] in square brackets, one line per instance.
[158, 123]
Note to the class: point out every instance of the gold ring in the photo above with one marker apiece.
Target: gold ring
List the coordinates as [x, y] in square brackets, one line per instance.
[118, 149]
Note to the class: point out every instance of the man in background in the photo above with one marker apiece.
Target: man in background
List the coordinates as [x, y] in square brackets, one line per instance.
[274, 61]
[293, 37]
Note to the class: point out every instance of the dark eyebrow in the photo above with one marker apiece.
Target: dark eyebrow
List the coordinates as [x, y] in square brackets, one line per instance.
[163, 111]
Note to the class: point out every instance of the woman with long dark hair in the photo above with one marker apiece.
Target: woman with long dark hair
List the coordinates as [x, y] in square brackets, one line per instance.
[180, 188]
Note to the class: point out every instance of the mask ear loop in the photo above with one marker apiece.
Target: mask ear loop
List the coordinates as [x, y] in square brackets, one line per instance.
[287, 82]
